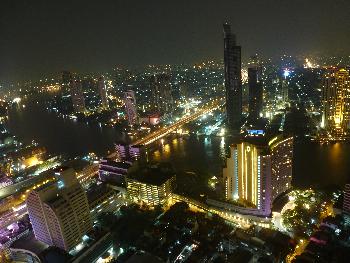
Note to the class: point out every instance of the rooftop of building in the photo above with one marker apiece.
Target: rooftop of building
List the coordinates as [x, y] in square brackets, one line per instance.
[40, 249]
[97, 191]
[260, 142]
[110, 162]
[77, 164]
[42, 187]
[263, 142]
[154, 174]
[96, 245]
[56, 201]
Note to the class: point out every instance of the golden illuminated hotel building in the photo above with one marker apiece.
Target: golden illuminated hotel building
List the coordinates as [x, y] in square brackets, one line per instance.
[336, 101]
[255, 175]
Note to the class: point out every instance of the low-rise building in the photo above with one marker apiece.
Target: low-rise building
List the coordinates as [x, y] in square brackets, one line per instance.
[113, 172]
[151, 185]
[128, 152]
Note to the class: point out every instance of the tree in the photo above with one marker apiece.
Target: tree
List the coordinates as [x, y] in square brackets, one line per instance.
[106, 220]
[130, 225]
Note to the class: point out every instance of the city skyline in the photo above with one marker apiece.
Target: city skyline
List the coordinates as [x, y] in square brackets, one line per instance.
[42, 38]
[241, 157]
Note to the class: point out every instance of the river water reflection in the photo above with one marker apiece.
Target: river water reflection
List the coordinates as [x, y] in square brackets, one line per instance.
[314, 165]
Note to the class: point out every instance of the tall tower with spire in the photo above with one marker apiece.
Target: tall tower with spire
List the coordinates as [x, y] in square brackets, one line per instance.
[233, 80]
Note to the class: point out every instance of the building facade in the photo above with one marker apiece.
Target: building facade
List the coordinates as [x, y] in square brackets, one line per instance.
[59, 212]
[336, 101]
[113, 172]
[161, 97]
[255, 175]
[285, 91]
[102, 92]
[246, 176]
[77, 95]
[102, 199]
[346, 202]
[152, 194]
[281, 164]
[255, 92]
[130, 107]
[87, 175]
[128, 152]
[233, 81]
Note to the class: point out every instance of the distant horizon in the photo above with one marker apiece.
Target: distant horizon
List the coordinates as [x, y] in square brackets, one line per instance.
[57, 74]
[41, 37]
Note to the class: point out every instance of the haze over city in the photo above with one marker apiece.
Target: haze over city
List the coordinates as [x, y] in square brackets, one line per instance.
[46, 37]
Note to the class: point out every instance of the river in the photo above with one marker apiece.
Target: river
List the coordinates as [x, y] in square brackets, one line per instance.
[314, 165]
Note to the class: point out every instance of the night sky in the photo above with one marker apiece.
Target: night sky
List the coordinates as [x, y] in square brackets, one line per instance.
[39, 38]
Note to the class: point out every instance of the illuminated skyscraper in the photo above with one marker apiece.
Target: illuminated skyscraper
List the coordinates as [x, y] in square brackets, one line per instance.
[77, 95]
[247, 173]
[281, 150]
[162, 99]
[336, 101]
[255, 175]
[103, 92]
[59, 212]
[233, 81]
[255, 92]
[130, 107]
[285, 90]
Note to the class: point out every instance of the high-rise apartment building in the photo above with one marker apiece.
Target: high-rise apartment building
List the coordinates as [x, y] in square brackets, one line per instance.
[233, 81]
[103, 92]
[77, 95]
[130, 107]
[256, 174]
[161, 98]
[281, 150]
[59, 212]
[336, 101]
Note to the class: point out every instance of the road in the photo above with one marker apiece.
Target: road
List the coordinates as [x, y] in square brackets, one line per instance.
[208, 107]
[12, 216]
[22, 186]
